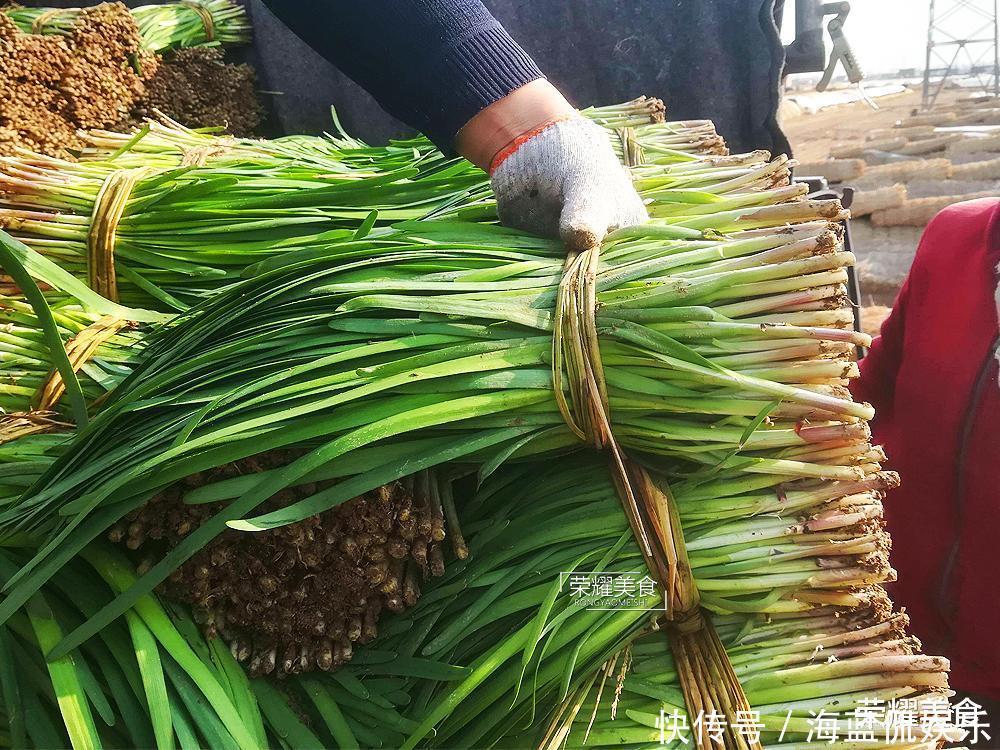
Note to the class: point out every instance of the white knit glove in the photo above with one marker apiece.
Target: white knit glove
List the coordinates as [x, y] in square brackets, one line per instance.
[566, 181]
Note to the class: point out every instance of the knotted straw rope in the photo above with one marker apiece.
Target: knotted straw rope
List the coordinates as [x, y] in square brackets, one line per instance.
[38, 25]
[79, 350]
[707, 678]
[206, 17]
[632, 155]
[109, 206]
[18, 424]
[198, 156]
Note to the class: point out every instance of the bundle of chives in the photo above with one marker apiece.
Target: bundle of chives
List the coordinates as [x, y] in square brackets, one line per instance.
[165, 143]
[639, 111]
[639, 133]
[164, 146]
[151, 680]
[186, 231]
[541, 532]
[29, 443]
[655, 295]
[830, 676]
[180, 232]
[175, 140]
[103, 350]
[726, 358]
[192, 23]
[528, 626]
[639, 122]
[169, 146]
[639, 305]
[668, 142]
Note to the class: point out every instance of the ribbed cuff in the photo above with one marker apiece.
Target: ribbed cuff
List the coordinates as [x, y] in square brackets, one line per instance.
[484, 66]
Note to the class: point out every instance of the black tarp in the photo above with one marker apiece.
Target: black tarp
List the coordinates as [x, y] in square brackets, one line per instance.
[717, 59]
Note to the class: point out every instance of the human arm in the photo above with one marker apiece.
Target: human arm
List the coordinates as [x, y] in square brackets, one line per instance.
[449, 69]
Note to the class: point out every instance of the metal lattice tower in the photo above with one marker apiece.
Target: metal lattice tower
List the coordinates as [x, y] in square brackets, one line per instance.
[961, 33]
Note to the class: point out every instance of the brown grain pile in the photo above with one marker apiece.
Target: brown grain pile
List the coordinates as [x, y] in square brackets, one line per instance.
[297, 597]
[98, 76]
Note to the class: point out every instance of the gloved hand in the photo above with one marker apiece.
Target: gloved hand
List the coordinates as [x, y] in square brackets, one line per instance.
[553, 171]
[565, 180]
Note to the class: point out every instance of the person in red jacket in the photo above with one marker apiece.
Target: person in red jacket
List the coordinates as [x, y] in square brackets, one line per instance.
[933, 378]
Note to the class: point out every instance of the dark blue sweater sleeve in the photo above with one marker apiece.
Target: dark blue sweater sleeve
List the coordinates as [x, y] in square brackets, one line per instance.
[431, 63]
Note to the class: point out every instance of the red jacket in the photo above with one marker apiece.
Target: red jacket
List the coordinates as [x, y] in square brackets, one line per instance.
[932, 377]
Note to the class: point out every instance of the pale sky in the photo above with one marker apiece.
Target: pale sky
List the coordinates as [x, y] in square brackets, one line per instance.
[891, 34]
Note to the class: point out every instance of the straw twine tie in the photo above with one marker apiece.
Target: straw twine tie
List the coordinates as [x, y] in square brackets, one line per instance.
[708, 680]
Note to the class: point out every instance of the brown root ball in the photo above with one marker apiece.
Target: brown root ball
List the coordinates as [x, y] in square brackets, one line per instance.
[98, 75]
[197, 88]
[297, 597]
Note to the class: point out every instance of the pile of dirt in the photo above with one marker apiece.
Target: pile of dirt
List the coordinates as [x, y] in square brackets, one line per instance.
[99, 76]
